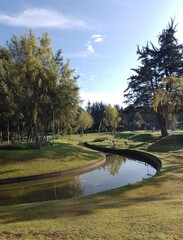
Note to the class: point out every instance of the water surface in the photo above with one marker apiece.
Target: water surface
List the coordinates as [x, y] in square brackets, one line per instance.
[116, 172]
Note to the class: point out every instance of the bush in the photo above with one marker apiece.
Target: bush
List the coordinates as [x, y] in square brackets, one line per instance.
[23, 146]
[100, 139]
[47, 144]
[20, 146]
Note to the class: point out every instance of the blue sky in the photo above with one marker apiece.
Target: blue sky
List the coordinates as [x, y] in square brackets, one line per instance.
[98, 36]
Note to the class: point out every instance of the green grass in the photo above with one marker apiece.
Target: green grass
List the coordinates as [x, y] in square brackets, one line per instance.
[60, 156]
[149, 210]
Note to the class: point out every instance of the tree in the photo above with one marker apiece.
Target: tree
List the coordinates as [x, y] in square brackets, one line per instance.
[156, 63]
[43, 86]
[67, 98]
[111, 117]
[123, 124]
[97, 112]
[84, 121]
[7, 103]
[172, 122]
[34, 77]
[139, 122]
[170, 98]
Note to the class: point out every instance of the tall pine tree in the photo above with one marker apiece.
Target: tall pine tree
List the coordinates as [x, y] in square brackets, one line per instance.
[156, 63]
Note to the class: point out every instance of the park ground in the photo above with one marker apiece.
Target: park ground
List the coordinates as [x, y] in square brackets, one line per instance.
[152, 209]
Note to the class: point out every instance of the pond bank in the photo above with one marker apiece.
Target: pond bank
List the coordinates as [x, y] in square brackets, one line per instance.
[142, 156]
[152, 209]
[55, 174]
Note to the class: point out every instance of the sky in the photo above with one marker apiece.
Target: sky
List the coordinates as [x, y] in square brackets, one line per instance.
[100, 37]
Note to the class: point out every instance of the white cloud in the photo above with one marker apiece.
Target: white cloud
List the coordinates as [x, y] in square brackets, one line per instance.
[89, 51]
[97, 38]
[105, 97]
[89, 48]
[40, 17]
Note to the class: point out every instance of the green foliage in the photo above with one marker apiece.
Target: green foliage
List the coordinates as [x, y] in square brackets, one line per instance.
[7, 105]
[37, 89]
[139, 122]
[84, 120]
[111, 118]
[19, 146]
[101, 139]
[23, 146]
[169, 98]
[96, 110]
[66, 101]
[146, 85]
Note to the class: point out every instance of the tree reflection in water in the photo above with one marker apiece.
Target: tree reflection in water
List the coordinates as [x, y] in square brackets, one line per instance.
[114, 163]
[116, 172]
[40, 190]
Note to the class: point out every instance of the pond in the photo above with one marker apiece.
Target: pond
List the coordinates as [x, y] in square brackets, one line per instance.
[116, 172]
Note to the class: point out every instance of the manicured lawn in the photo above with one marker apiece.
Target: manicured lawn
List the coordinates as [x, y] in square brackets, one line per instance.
[60, 156]
[152, 209]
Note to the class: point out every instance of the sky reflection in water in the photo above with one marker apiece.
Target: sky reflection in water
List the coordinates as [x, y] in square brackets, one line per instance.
[118, 171]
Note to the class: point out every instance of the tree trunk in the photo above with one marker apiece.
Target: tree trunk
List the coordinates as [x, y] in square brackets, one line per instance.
[38, 143]
[38, 139]
[162, 122]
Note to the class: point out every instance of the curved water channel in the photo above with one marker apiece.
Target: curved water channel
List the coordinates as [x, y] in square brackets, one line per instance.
[116, 172]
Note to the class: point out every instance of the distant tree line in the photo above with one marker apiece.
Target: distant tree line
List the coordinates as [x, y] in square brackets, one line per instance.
[39, 94]
[128, 119]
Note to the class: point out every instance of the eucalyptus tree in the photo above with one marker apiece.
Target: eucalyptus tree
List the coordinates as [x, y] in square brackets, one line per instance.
[34, 77]
[7, 104]
[67, 99]
[44, 87]
[96, 110]
[84, 121]
[111, 117]
[156, 63]
[123, 124]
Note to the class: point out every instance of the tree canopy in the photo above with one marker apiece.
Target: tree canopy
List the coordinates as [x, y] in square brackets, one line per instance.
[111, 117]
[156, 63]
[37, 87]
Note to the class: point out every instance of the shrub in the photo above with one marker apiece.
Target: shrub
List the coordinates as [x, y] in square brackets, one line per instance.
[100, 139]
[23, 146]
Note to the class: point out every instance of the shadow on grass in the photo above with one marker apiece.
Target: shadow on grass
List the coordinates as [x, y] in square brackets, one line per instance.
[172, 142]
[144, 137]
[56, 151]
[10, 171]
[166, 144]
[114, 199]
[124, 135]
[117, 198]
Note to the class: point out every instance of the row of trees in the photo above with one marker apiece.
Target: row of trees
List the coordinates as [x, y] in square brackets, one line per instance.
[157, 84]
[129, 119]
[38, 91]
[105, 117]
[108, 118]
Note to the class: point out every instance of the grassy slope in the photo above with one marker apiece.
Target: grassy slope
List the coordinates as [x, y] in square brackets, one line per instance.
[152, 209]
[62, 155]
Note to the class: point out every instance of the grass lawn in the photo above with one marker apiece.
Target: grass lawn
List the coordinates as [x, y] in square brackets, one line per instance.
[60, 156]
[152, 209]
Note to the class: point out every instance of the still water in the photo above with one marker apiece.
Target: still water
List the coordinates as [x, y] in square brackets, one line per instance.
[116, 172]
